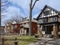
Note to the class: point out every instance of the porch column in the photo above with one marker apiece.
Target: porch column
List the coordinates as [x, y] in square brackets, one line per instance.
[39, 31]
[55, 31]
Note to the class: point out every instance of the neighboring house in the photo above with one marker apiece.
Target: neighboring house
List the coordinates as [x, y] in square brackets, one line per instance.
[25, 27]
[22, 27]
[7, 27]
[12, 27]
[15, 27]
[49, 21]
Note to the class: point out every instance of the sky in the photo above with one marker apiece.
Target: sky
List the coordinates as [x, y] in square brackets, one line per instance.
[11, 8]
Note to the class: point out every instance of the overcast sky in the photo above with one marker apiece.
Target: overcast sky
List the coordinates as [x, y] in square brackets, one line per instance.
[21, 7]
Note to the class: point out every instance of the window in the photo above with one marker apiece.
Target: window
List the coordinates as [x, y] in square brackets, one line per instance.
[53, 19]
[45, 20]
[47, 12]
[53, 13]
[41, 21]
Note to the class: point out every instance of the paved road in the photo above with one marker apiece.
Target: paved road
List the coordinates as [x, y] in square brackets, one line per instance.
[47, 42]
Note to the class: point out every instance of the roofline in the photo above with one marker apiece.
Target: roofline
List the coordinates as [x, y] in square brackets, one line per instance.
[43, 10]
[28, 21]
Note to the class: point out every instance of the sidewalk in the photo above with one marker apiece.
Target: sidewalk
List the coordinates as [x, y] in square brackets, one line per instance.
[47, 41]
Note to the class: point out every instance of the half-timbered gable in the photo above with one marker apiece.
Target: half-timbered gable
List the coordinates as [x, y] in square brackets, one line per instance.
[49, 20]
[47, 12]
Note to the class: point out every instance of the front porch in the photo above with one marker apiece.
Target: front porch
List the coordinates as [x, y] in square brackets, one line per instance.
[50, 30]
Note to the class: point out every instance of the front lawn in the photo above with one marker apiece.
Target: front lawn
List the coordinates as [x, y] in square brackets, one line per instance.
[22, 40]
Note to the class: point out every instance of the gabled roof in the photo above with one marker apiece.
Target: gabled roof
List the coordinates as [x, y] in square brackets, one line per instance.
[25, 21]
[46, 6]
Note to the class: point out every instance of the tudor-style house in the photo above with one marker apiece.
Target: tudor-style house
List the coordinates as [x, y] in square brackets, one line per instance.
[49, 21]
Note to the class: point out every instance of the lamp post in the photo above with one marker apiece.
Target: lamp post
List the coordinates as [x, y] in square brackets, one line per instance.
[30, 20]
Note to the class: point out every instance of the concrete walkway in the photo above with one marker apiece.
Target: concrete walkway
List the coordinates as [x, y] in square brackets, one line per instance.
[47, 42]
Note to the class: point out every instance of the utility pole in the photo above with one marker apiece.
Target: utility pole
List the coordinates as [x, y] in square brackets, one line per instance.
[0, 14]
[4, 4]
[30, 20]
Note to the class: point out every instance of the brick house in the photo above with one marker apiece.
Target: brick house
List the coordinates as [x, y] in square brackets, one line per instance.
[15, 27]
[25, 27]
[12, 27]
[49, 21]
[21, 27]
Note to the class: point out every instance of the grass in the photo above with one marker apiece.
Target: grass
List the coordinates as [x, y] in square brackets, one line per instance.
[22, 40]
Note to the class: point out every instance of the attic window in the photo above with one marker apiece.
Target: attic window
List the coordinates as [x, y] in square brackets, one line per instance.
[47, 12]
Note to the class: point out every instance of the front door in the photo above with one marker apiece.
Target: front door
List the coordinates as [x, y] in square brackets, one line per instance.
[48, 29]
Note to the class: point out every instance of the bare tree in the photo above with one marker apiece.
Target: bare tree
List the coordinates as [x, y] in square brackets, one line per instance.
[16, 18]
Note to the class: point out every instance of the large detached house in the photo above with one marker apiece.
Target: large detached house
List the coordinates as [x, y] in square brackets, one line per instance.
[49, 21]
